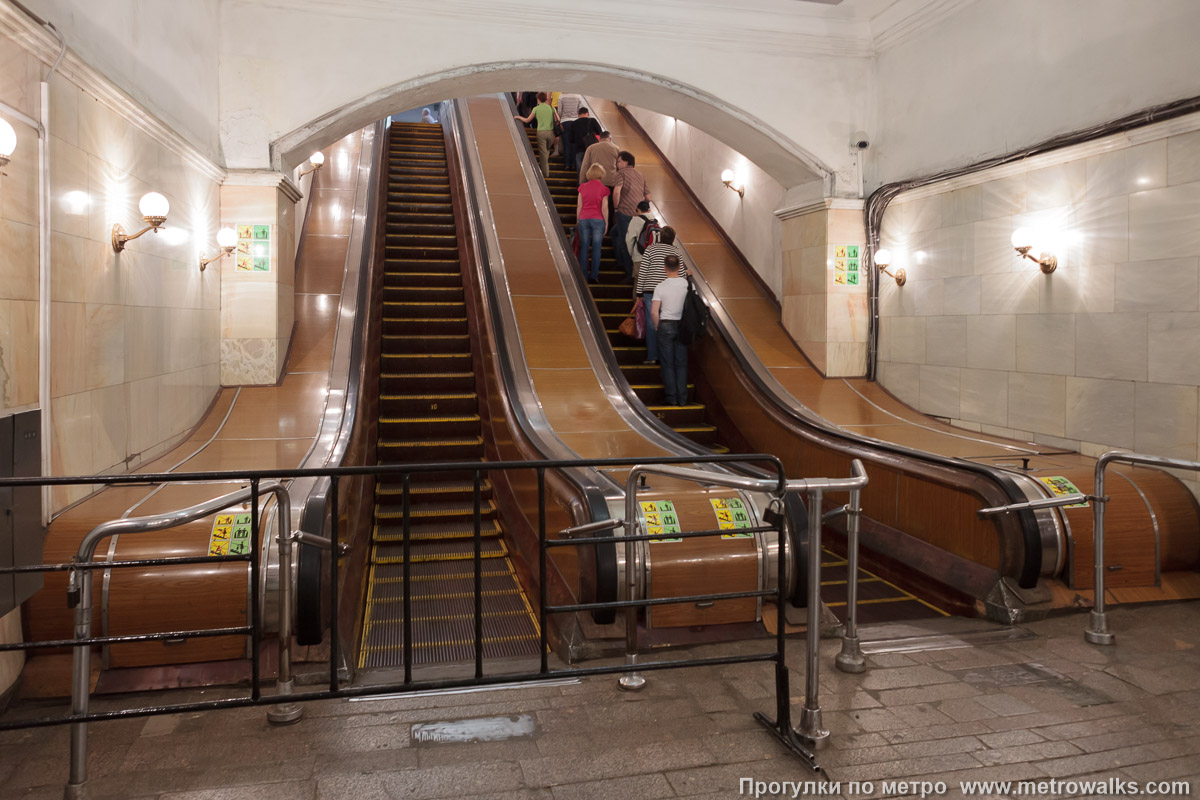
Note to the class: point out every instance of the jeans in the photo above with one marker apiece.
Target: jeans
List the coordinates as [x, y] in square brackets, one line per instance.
[568, 146]
[672, 359]
[545, 141]
[651, 334]
[620, 228]
[591, 236]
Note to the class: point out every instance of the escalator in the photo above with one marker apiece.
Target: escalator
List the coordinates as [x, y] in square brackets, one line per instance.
[613, 300]
[429, 412]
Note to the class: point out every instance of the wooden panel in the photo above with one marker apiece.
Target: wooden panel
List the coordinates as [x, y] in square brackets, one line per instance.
[700, 566]
[548, 333]
[1175, 510]
[572, 401]
[947, 518]
[331, 212]
[312, 339]
[290, 411]
[530, 268]
[322, 264]
[725, 275]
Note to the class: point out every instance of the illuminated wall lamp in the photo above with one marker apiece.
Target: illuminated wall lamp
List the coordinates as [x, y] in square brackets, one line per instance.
[317, 160]
[883, 259]
[154, 208]
[8, 143]
[226, 240]
[727, 179]
[1022, 242]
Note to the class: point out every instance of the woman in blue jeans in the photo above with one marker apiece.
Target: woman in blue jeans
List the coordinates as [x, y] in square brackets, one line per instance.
[591, 214]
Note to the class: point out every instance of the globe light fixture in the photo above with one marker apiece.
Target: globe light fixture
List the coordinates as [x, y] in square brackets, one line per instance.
[154, 208]
[883, 259]
[226, 240]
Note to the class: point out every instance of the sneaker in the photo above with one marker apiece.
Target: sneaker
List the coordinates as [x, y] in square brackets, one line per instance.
[650, 361]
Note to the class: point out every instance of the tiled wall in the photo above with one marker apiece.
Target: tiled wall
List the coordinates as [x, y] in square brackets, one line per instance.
[1103, 353]
[134, 358]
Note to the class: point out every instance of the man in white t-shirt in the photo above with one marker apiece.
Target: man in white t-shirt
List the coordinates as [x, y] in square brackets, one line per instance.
[665, 312]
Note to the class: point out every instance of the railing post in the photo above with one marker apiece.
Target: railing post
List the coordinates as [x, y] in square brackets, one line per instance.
[80, 685]
[811, 730]
[1097, 631]
[542, 595]
[851, 659]
[285, 713]
[631, 681]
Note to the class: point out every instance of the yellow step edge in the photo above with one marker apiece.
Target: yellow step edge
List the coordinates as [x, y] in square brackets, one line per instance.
[401, 420]
[449, 577]
[392, 648]
[390, 601]
[449, 396]
[517, 612]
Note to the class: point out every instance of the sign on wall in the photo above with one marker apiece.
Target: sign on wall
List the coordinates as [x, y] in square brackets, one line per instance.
[731, 514]
[230, 535]
[254, 248]
[845, 265]
[660, 519]
[1060, 487]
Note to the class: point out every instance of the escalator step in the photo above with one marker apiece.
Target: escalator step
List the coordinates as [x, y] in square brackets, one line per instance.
[446, 511]
[450, 550]
[442, 402]
[433, 491]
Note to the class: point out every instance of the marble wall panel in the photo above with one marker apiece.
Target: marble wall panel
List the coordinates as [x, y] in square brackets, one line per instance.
[845, 359]
[1111, 346]
[1162, 223]
[105, 346]
[18, 353]
[847, 317]
[992, 248]
[1100, 411]
[1037, 403]
[1128, 170]
[1010, 292]
[946, 341]
[110, 428]
[1183, 159]
[18, 261]
[1046, 343]
[906, 339]
[1058, 185]
[1174, 348]
[1089, 288]
[70, 203]
[142, 417]
[902, 380]
[19, 188]
[248, 361]
[928, 296]
[992, 342]
[68, 342]
[1003, 197]
[1101, 228]
[940, 391]
[1165, 420]
[984, 396]
[961, 295]
[1150, 286]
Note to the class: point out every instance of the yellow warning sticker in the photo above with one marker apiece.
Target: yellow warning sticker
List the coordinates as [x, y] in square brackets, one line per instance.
[231, 535]
[661, 519]
[731, 514]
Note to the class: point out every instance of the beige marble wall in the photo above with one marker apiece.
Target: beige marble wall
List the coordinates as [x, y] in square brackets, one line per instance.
[827, 319]
[258, 308]
[134, 337]
[1104, 352]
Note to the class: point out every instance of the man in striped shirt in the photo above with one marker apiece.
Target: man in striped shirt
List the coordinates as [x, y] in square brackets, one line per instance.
[652, 273]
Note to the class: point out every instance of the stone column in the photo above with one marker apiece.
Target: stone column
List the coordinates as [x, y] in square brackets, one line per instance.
[825, 284]
[258, 280]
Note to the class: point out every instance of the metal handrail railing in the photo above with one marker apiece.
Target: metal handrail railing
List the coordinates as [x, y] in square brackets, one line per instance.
[1097, 631]
[810, 733]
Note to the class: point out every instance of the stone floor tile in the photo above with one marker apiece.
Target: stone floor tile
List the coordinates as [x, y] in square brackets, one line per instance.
[476, 753]
[1028, 752]
[1094, 763]
[904, 677]
[1009, 738]
[297, 790]
[935, 732]
[1005, 704]
[1181, 767]
[554, 771]
[921, 715]
[723, 780]
[905, 768]
[966, 709]
[648, 787]
[927, 694]
[888, 660]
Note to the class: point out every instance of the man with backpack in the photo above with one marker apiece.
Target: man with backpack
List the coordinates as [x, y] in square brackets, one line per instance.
[653, 272]
[643, 231]
[665, 311]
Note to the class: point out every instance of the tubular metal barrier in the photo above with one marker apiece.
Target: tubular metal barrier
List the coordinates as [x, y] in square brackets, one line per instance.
[1097, 631]
[801, 742]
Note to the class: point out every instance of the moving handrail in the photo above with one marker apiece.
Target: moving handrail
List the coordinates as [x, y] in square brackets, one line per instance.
[1097, 631]
[80, 596]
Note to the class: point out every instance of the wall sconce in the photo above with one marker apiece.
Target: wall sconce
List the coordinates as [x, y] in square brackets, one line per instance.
[727, 178]
[226, 240]
[883, 258]
[317, 160]
[1022, 242]
[154, 208]
[8, 143]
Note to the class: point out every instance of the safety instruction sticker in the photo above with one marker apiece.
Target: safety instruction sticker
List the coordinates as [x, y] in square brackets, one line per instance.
[254, 248]
[731, 514]
[230, 535]
[660, 519]
[845, 264]
[1060, 486]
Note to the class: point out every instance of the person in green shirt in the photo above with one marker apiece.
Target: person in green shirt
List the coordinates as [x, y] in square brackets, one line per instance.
[546, 116]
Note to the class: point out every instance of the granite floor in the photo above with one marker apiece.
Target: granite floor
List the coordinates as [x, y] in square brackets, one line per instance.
[1049, 707]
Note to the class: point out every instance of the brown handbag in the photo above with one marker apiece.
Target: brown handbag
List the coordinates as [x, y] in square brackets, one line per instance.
[628, 327]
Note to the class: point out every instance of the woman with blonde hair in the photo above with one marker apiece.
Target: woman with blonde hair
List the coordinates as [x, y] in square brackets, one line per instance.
[591, 214]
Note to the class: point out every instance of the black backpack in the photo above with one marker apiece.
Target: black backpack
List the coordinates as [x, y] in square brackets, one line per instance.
[694, 319]
[651, 232]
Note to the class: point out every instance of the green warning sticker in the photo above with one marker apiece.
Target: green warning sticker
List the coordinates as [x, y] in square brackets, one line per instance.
[1061, 487]
[230, 535]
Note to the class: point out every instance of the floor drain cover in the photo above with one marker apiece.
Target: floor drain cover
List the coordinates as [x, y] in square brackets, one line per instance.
[486, 729]
[1027, 674]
